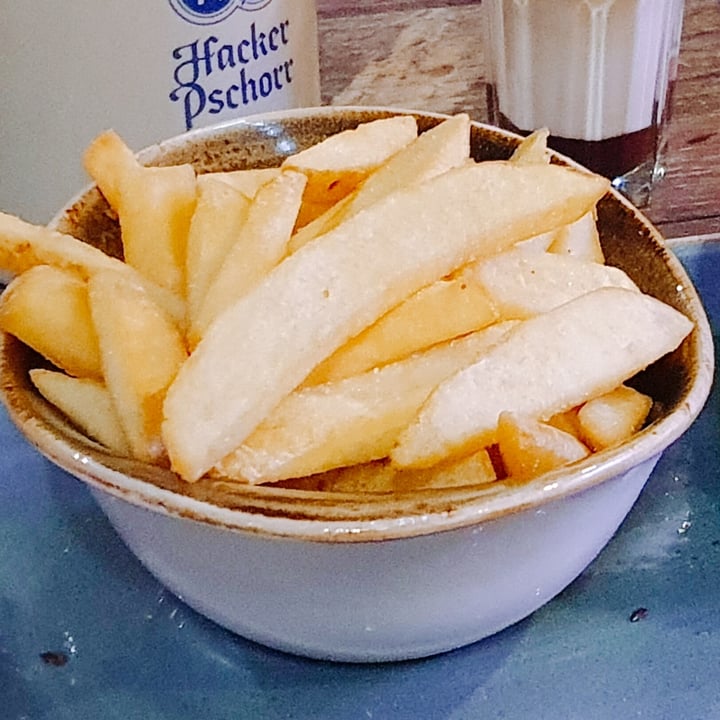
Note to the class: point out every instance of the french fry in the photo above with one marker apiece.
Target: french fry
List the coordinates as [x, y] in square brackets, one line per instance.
[155, 213]
[141, 350]
[248, 182]
[88, 405]
[220, 214]
[579, 239]
[154, 207]
[532, 149]
[47, 308]
[521, 284]
[612, 418]
[445, 146]
[321, 296]
[260, 244]
[381, 477]
[537, 243]
[546, 365]
[530, 448]
[419, 322]
[351, 421]
[24, 245]
[474, 470]
[111, 164]
[335, 166]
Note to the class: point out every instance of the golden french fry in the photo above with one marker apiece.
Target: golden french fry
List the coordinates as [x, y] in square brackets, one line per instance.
[351, 421]
[547, 364]
[532, 149]
[88, 405]
[248, 182]
[155, 212]
[261, 243]
[220, 214]
[327, 292]
[24, 245]
[580, 239]
[111, 164]
[612, 418]
[419, 322]
[445, 146]
[47, 308]
[530, 448]
[141, 350]
[476, 469]
[521, 284]
[335, 166]
[154, 207]
[381, 477]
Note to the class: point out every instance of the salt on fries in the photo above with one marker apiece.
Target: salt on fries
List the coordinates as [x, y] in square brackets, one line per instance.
[379, 313]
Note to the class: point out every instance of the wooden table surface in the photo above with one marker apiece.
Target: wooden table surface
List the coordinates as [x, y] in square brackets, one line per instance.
[428, 55]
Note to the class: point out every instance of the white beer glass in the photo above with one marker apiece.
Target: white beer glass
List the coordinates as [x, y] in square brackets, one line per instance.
[599, 74]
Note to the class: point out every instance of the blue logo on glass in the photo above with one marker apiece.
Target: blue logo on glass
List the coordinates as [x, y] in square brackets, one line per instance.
[210, 12]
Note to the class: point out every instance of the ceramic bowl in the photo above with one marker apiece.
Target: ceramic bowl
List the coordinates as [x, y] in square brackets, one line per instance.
[360, 577]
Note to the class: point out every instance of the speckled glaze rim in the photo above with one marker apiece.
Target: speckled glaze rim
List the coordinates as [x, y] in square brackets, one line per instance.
[334, 517]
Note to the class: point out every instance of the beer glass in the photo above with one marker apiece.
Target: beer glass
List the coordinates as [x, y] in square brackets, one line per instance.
[599, 74]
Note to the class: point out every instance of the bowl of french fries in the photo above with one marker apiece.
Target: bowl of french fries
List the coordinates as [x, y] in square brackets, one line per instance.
[361, 384]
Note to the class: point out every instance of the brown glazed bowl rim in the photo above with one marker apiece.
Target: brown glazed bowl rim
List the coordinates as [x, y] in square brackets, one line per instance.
[349, 517]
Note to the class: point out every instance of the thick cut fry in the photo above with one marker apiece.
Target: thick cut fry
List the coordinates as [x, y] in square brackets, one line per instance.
[579, 239]
[546, 365]
[530, 448]
[361, 149]
[110, 163]
[154, 206]
[381, 477]
[612, 418]
[88, 405]
[351, 421]
[23, 245]
[335, 166]
[248, 182]
[445, 146]
[476, 469]
[537, 243]
[522, 284]
[47, 308]
[141, 350]
[327, 292]
[532, 149]
[259, 246]
[439, 312]
[220, 214]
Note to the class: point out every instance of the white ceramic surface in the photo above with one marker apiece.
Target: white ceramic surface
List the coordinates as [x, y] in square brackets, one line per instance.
[376, 601]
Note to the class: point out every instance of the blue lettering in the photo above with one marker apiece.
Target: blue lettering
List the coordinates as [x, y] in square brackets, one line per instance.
[193, 101]
[265, 84]
[248, 87]
[216, 100]
[271, 39]
[226, 57]
[202, 58]
[230, 96]
[241, 51]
